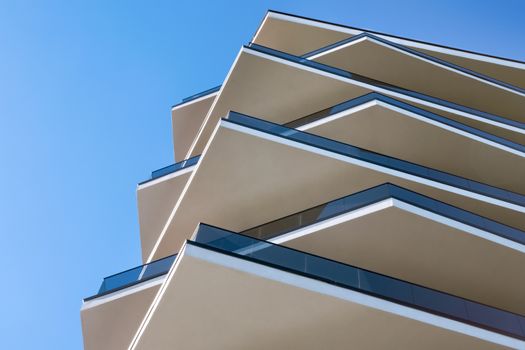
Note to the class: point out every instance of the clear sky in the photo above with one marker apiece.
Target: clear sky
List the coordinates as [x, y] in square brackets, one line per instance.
[85, 95]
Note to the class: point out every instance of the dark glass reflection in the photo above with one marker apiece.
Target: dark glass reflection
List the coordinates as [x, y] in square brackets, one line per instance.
[133, 276]
[173, 168]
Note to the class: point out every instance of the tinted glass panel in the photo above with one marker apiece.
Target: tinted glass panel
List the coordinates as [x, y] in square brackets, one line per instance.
[332, 271]
[373, 195]
[134, 276]
[433, 300]
[385, 286]
[158, 268]
[173, 168]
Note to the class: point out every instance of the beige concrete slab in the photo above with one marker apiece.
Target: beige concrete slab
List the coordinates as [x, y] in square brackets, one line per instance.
[155, 200]
[277, 90]
[298, 36]
[186, 120]
[386, 129]
[247, 178]
[379, 60]
[110, 322]
[212, 301]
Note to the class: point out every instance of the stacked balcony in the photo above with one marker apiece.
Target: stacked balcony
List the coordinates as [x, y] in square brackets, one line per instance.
[341, 188]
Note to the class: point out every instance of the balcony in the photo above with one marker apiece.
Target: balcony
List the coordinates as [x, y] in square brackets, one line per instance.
[376, 194]
[280, 230]
[223, 277]
[111, 317]
[362, 280]
[377, 158]
[406, 235]
[383, 60]
[187, 118]
[262, 76]
[170, 169]
[416, 135]
[131, 277]
[251, 158]
[297, 35]
[156, 198]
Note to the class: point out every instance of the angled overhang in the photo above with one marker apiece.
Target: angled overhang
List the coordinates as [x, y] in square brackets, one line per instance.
[409, 236]
[156, 198]
[380, 59]
[187, 117]
[299, 35]
[281, 88]
[403, 131]
[110, 321]
[212, 299]
[111, 317]
[249, 158]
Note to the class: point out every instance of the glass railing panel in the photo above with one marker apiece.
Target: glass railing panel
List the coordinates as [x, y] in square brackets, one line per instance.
[120, 279]
[493, 318]
[373, 195]
[385, 286]
[332, 271]
[172, 168]
[158, 268]
[223, 239]
[135, 275]
[197, 95]
[433, 300]
[379, 159]
[358, 279]
[202, 93]
[276, 227]
[271, 254]
[310, 118]
[522, 323]
[318, 213]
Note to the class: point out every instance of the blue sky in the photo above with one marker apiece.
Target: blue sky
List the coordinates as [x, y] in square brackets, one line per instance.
[85, 96]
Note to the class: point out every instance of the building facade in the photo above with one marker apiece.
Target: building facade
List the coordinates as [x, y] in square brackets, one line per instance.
[342, 189]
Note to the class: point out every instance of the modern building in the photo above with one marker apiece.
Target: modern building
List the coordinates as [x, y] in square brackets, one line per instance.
[342, 189]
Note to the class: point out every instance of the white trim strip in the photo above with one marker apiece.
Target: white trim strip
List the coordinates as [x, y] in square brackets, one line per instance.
[491, 237]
